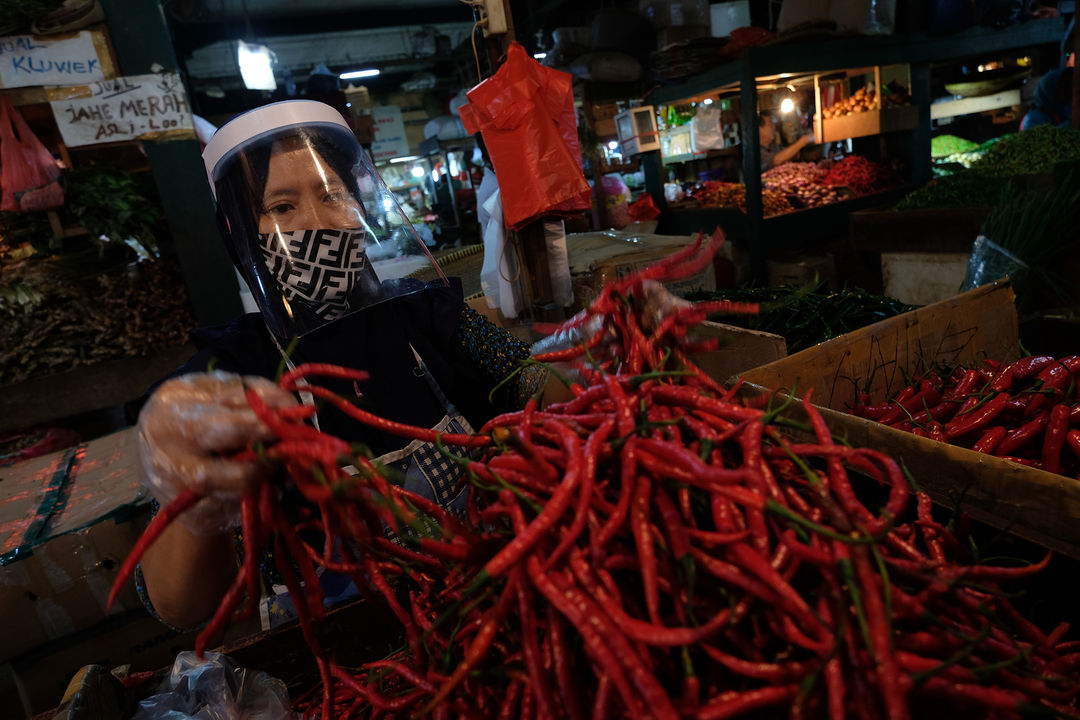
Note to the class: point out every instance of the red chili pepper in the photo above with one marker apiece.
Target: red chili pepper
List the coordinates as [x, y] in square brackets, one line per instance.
[1019, 370]
[1073, 439]
[1056, 429]
[1049, 384]
[479, 646]
[553, 509]
[977, 418]
[1018, 437]
[990, 440]
[593, 640]
[736, 702]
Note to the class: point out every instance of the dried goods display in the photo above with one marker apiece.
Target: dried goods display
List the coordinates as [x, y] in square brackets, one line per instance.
[68, 318]
[715, 193]
[861, 100]
[650, 548]
[801, 180]
[861, 175]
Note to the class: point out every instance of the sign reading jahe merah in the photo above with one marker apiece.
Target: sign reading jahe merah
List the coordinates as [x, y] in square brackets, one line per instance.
[124, 108]
[27, 60]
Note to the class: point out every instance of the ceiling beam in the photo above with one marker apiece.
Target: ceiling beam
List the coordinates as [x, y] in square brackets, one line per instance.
[191, 36]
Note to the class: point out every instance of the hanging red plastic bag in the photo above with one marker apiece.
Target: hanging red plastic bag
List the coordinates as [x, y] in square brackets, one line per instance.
[30, 176]
[525, 113]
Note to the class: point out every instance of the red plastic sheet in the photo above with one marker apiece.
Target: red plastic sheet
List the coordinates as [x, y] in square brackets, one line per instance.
[525, 113]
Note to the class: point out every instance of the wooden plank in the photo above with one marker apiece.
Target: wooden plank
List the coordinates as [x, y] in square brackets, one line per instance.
[85, 389]
[881, 357]
[967, 106]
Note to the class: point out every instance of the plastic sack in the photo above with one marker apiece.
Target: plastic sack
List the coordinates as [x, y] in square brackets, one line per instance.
[615, 196]
[216, 689]
[525, 113]
[30, 176]
[707, 132]
[499, 272]
[643, 209]
[989, 262]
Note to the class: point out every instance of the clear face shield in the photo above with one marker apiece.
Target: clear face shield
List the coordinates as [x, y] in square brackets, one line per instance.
[311, 226]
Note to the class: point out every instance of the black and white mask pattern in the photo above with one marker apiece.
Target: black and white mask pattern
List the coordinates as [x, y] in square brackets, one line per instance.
[319, 267]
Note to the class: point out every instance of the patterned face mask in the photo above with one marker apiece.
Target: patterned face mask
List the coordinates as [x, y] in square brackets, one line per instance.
[319, 267]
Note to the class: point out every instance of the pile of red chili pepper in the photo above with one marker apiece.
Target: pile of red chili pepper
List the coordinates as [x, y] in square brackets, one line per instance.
[1024, 411]
[861, 175]
[651, 548]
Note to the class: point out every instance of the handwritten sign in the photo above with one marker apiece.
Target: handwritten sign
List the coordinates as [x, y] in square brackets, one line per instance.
[390, 141]
[27, 60]
[125, 108]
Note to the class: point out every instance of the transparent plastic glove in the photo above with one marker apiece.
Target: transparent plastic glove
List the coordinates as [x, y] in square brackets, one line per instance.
[572, 333]
[657, 304]
[654, 302]
[184, 437]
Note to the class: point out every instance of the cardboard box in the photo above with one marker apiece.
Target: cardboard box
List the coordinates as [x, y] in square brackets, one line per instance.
[67, 521]
[740, 350]
[1036, 505]
[597, 258]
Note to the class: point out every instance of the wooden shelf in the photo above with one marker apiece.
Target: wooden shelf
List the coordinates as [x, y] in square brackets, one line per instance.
[861, 51]
[971, 105]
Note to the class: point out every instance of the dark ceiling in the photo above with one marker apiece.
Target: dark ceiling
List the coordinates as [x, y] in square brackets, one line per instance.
[347, 34]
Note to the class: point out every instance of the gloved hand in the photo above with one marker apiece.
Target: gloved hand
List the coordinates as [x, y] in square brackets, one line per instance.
[184, 437]
[810, 139]
[657, 304]
[654, 303]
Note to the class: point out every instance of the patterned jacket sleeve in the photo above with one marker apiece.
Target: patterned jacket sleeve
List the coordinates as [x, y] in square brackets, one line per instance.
[499, 355]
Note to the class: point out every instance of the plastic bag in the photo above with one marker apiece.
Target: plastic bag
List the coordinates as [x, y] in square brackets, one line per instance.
[30, 176]
[499, 273]
[615, 196]
[644, 208]
[525, 113]
[707, 130]
[216, 689]
[989, 262]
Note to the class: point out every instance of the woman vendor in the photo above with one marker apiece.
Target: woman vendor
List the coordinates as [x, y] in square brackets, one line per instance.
[311, 227]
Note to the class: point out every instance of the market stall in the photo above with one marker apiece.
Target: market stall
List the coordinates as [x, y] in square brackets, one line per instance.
[695, 497]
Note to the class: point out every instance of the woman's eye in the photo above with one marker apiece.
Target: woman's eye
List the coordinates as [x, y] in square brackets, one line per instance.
[279, 208]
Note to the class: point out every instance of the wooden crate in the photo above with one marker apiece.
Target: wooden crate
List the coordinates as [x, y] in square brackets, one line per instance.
[873, 121]
[1036, 505]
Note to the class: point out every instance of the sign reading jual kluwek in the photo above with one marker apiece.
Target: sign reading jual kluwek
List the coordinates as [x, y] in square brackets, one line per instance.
[147, 107]
[27, 60]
